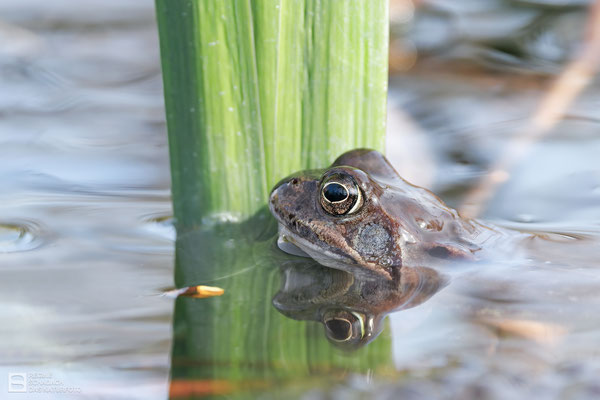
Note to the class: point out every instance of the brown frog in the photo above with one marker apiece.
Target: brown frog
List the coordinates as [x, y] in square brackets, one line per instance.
[360, 216]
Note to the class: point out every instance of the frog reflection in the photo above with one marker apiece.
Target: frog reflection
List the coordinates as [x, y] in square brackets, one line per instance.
[351, 308]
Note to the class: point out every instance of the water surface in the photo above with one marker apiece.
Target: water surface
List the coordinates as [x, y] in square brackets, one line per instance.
[87, 245]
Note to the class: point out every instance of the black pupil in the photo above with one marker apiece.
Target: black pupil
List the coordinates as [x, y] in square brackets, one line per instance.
[340, 329]
[335, 192]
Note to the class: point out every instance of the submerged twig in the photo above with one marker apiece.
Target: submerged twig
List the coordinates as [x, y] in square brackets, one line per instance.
[569, 84]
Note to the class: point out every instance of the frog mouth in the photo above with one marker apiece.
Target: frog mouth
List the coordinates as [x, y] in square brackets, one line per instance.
[286, 244]
[296, 245]
[291, 243]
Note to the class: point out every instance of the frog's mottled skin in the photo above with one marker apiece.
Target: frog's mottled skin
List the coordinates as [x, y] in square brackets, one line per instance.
[398, 224]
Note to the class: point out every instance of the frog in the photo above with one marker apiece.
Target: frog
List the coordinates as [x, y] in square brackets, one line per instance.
[360, 216]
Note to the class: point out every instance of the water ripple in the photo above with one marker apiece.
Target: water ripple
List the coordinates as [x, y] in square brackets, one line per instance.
[20, 236]
[160, 225]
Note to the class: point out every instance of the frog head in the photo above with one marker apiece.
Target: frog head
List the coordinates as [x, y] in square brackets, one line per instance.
[360, 216]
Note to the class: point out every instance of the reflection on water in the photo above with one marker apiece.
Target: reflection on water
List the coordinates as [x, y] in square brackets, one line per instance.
[86, 243]
[351, 308]
[238, 344]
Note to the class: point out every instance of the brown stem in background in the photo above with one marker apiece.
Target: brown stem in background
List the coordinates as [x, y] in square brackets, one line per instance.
[569, 84]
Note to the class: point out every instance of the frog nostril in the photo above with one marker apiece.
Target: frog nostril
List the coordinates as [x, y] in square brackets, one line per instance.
[294, 181]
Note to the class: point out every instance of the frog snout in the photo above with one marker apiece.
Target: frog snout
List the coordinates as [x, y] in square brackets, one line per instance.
[285, 182]
[292, 199]
[283, 189]
[276, 194]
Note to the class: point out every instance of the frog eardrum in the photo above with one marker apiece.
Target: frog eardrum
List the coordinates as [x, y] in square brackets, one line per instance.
[340, 194]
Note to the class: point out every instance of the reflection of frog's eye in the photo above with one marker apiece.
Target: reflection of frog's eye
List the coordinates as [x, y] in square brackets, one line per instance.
[340, 195]
[342, 326]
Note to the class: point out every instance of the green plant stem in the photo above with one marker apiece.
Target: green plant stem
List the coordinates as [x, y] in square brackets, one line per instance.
[255, 90]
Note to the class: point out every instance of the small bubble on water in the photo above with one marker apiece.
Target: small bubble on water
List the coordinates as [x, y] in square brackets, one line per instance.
[525, 218]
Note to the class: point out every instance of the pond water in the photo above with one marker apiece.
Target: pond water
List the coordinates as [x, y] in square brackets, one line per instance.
[87, 245]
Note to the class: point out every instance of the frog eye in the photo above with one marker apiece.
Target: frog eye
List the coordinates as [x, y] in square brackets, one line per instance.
[344, 327]
[335, 192]
[340, 195]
